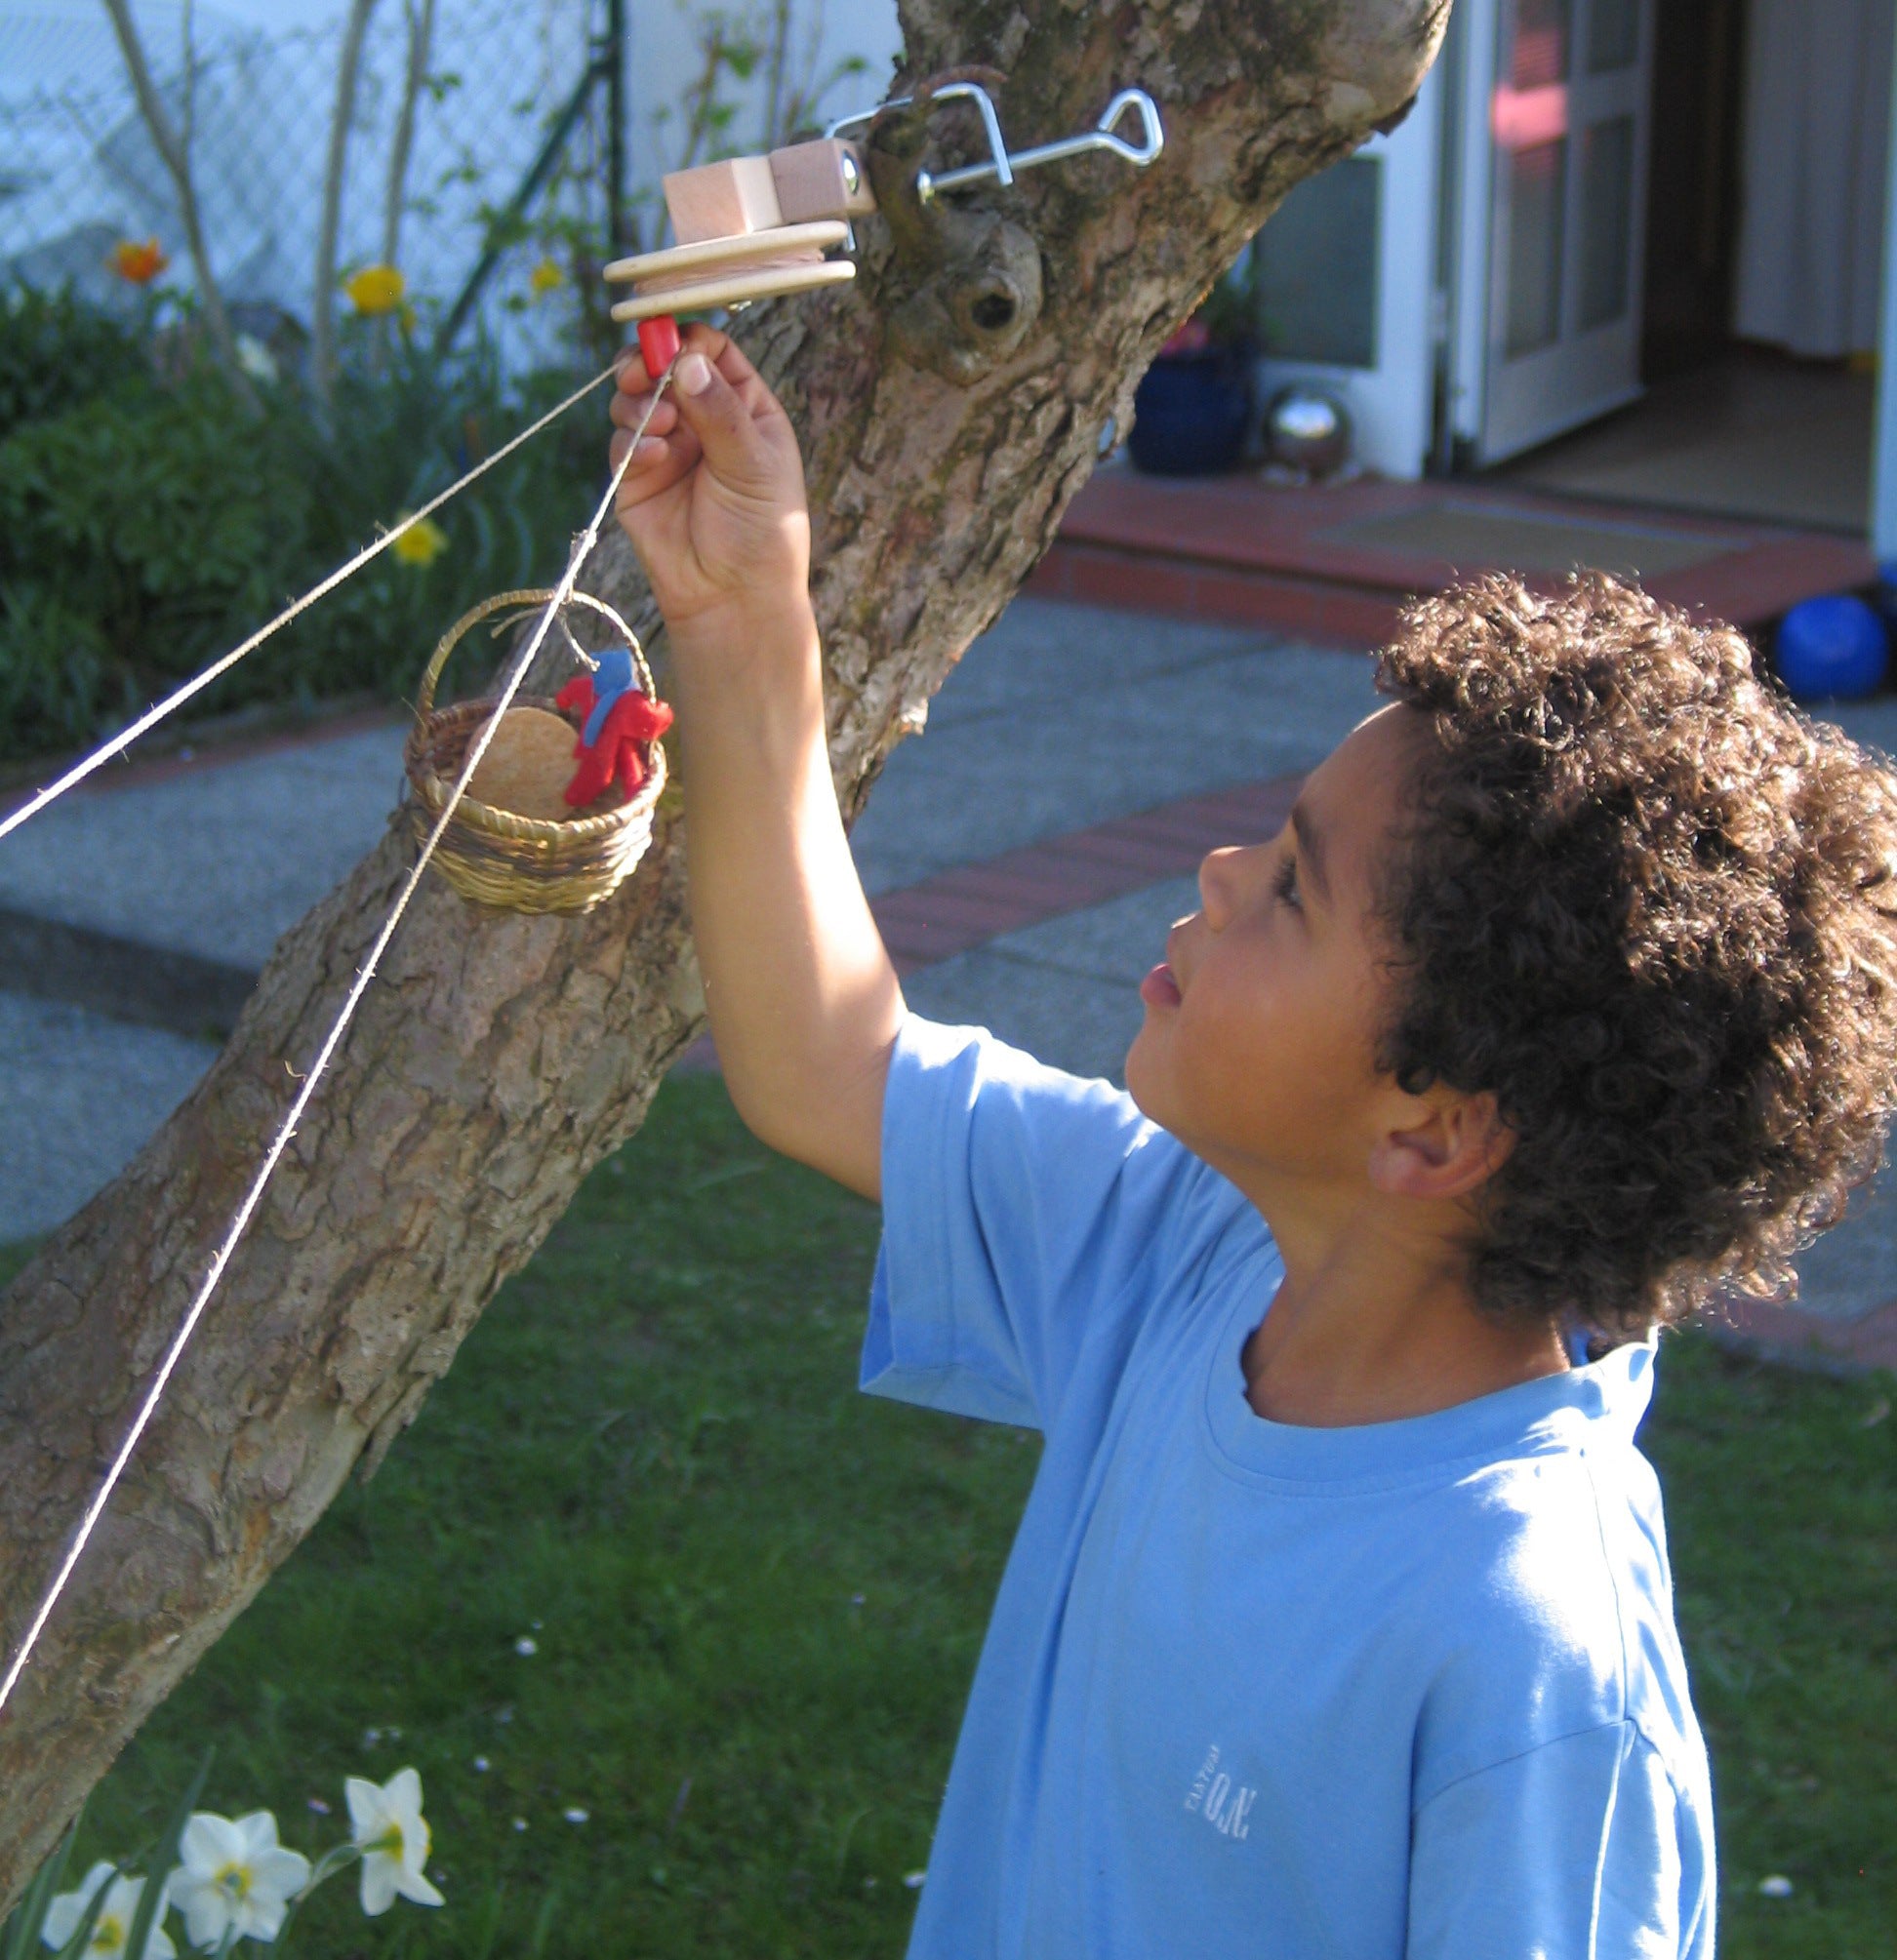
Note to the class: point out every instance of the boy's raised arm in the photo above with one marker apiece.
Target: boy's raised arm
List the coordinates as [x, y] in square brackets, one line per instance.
[803, 999]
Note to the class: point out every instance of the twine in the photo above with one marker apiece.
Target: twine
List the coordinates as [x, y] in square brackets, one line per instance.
[582, 545]
[153, 716]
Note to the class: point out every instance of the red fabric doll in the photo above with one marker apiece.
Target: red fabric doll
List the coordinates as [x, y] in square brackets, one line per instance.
[630, 720]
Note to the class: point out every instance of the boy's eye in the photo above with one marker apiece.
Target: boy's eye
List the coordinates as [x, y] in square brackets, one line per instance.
[1284, 887]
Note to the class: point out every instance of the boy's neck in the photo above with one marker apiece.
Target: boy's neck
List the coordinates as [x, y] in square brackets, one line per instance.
[1363, 1341]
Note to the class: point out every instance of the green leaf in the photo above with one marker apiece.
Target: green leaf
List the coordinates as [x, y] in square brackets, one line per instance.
[151, 1900]
[25, 1924]
[82, 1934]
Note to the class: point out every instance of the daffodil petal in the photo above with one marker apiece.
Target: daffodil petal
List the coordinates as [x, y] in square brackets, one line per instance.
[381, 1880]
[206, 1912]
[280, 1870]
[367, 1812]
[414, 1886]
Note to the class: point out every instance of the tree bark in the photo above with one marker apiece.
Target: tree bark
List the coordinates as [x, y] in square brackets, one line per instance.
[951, 402]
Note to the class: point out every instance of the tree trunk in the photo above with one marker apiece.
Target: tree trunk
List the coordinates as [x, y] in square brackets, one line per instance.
[949, 403]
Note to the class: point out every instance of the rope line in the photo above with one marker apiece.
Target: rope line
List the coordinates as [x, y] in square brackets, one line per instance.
[153, 716]
[582, 547]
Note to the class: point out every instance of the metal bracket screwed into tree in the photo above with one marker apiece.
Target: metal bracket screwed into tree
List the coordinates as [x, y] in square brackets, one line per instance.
[1004, 165]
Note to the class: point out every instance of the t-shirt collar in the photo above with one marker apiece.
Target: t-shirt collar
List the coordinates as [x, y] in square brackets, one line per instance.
[1604, 1398]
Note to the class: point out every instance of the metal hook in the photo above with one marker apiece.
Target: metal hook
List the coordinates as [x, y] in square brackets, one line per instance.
[998, 166]
[1002, 167]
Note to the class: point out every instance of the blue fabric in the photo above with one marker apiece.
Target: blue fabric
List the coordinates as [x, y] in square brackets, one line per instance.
[612, 678]
[1411, 1689]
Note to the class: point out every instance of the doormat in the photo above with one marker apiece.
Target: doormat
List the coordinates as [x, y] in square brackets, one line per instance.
[1475, 538]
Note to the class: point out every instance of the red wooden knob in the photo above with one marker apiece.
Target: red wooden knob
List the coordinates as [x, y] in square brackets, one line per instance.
[658, 343]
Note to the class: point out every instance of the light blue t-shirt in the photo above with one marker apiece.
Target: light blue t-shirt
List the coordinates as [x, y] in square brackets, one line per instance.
[1411, 1689]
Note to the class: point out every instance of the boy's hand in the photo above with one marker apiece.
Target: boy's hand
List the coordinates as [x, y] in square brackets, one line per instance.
[714, 501]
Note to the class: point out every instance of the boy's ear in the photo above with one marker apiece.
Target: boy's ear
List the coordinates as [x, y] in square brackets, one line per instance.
[1450, 1145]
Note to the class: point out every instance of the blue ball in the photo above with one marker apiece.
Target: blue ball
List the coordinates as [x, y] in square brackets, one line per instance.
[1832, 649]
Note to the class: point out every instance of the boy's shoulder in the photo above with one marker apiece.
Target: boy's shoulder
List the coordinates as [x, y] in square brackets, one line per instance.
[1562, 1600]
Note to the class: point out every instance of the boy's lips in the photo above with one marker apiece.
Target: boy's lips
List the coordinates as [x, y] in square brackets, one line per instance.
[1159, 989]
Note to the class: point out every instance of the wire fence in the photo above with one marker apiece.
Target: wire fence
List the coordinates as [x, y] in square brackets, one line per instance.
[79, 171]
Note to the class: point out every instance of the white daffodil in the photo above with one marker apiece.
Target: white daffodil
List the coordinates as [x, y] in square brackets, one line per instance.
[393, 1835]
[234, 1874]
[113, 1927]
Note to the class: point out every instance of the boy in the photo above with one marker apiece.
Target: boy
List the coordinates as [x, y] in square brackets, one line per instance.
[1339, 1621]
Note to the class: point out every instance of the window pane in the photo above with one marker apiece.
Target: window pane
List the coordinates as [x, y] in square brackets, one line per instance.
[1537, 186]
[1316, 265]
[1540, 52]
[1606, 220]
[1613, 35]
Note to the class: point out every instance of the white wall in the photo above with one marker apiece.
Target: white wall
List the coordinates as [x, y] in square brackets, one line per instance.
[666, 60]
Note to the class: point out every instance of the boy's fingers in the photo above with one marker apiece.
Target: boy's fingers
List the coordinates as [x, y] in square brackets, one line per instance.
[628, 411]
[713, 409]
[734, 363]
[661, 463]
[653, 469]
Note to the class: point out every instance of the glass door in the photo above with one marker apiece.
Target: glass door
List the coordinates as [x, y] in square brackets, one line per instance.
[1555, 147]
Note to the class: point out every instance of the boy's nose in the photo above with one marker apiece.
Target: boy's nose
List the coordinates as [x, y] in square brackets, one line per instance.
[1216, 879]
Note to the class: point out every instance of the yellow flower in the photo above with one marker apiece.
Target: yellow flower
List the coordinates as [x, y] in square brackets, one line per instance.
[421, 544]
[376, 290]
[139, 264]
[546, 277]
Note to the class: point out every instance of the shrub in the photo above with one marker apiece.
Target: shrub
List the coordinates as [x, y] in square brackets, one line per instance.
[56, 352]
[148, 524]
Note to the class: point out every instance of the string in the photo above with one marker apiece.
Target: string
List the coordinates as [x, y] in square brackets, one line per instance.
[153, 716]
[287, 1129]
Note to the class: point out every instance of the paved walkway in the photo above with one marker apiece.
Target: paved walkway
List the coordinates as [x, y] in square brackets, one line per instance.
[1025, 858]
[1334, 562]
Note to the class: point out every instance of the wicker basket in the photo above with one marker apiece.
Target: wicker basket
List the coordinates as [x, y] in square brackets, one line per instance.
[523, 864]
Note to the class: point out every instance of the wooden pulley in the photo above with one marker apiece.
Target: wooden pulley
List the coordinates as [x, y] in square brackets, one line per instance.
[751, 226]
[730, 272]
[748, 227]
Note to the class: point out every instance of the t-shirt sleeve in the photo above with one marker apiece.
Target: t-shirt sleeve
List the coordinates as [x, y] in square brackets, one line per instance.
[1019, 1204]
[1578, 1850]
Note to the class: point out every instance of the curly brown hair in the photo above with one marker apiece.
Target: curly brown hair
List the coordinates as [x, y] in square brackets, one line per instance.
[1652, 908]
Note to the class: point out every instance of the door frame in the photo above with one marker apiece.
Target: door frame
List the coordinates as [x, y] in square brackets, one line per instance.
[1475, 397]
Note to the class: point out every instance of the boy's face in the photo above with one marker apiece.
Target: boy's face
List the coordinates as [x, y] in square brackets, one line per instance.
[1257, 1049]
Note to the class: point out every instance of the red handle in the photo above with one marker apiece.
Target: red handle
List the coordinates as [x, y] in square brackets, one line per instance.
[658, 343]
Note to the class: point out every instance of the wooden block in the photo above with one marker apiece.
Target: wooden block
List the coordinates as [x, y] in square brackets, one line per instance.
[825, 179]
[722, 200]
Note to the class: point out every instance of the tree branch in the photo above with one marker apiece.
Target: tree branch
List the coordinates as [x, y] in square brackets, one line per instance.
[322, 308]
[421, 42]
[173, 151]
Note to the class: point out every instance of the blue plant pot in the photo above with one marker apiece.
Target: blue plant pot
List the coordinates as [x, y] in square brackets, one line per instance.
[1191, 412]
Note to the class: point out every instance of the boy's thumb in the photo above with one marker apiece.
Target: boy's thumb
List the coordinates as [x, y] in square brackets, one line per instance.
[710, 407]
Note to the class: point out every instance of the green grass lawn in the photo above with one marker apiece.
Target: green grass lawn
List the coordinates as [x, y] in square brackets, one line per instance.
[757, 1597]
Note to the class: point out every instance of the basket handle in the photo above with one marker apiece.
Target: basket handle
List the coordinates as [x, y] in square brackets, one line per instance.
[500, 603]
